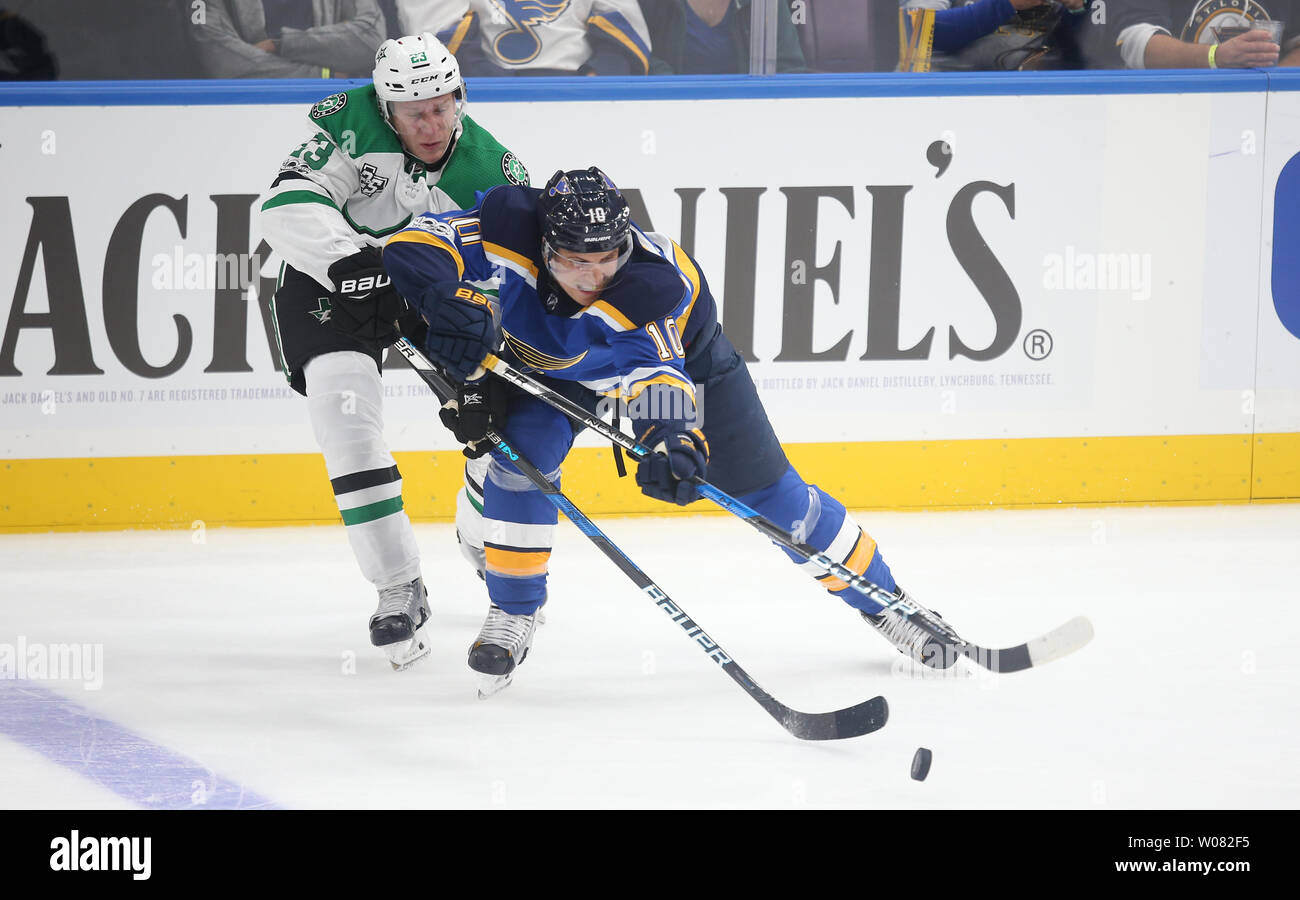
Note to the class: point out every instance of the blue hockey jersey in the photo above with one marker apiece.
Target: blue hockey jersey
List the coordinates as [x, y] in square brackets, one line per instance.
[638, 333]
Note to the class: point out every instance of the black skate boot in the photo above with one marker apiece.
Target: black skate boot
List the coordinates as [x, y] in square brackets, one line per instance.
[398, 624]
[912, 640]
[501, 647]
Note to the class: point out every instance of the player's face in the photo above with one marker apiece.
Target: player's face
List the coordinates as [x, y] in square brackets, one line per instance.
[425, 126]
[584, 275]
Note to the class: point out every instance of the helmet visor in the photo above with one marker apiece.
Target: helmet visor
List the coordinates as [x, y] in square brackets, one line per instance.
[586, 272]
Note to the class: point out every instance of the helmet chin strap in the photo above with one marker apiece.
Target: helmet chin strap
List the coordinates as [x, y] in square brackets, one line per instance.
[451, 145]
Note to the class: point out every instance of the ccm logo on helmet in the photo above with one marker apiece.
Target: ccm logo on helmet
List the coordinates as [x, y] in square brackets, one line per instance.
[356, 285]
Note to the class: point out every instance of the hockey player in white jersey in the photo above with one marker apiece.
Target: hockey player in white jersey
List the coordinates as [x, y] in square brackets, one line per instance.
[371, 158]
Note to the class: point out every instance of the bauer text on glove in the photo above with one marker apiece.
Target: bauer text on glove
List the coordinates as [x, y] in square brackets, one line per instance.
[463, 328]
[365, 304]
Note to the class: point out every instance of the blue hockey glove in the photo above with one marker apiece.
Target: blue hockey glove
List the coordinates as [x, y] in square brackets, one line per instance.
[366, 306]
[679, 455]
[463, 328]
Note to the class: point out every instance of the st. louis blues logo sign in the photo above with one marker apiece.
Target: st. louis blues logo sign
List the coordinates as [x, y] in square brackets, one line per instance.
[519, 44]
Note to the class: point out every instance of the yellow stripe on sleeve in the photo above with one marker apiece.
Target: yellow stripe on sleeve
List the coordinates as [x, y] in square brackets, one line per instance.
[462, 29]
[506, 253]
[693, 276]
[417, 236]
[617, 34]
[676, 381]
[607, 309]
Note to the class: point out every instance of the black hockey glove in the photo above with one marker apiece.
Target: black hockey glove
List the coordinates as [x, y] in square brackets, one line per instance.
[366, 306]
[679, 456]
[478, 407]
[463, 328]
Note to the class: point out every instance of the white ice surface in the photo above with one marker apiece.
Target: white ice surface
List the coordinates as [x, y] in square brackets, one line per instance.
[235, 651]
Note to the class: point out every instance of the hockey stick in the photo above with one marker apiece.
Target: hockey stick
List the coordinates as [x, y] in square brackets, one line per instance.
[863, 718]
[1051, 646]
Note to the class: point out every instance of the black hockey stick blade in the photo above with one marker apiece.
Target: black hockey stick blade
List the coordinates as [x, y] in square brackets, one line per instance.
[868, 716]
[1041, 650]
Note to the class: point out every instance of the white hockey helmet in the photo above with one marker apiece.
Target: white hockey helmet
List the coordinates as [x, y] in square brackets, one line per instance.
[416, 67]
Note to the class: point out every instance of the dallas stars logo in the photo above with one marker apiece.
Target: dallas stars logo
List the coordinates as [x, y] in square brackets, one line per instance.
[322, 311]
[330, 105]
[371, 181]
[513, 169]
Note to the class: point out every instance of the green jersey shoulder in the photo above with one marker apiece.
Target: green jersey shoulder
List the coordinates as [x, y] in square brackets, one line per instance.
[479, 162]
[353, 122]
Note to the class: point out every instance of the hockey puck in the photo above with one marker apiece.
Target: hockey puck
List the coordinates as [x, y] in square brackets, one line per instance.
[921, 764]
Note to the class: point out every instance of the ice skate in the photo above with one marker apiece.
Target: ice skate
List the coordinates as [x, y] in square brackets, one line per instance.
[398, 624]
[912, 640]
[501, 647]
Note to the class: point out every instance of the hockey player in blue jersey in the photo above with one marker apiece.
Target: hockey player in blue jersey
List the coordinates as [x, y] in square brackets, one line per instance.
[599, 308]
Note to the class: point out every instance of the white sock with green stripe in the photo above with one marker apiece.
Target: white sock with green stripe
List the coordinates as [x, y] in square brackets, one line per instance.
[469, 512]
[344, 399]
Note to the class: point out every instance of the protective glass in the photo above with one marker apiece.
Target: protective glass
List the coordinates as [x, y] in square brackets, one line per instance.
[586, 271]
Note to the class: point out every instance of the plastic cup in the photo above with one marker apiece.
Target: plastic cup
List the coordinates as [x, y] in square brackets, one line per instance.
[1274, 27]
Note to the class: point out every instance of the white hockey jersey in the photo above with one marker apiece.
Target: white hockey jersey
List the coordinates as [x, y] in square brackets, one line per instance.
[351, 185]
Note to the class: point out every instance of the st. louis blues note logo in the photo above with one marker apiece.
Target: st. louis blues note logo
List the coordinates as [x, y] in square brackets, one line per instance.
[519, 44]
[1208, 16]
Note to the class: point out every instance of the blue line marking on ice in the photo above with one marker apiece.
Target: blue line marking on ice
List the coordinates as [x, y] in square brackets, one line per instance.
[129, 765]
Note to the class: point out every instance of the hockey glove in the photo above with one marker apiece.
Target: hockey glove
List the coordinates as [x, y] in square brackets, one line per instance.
[477, 408]
[366, 306]
[462, 329]
[679, 456]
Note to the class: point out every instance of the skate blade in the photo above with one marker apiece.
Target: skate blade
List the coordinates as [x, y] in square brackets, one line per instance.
[489, 685]
[404, 660]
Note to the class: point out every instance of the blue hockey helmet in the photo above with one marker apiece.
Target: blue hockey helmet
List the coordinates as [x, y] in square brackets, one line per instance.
[584, 212]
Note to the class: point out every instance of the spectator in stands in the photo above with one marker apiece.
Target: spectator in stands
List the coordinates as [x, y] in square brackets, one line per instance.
[1194, 34]
[540, 37]
[23, 53]
[91, 39]
[1008, 34]
[288, 38]
[706, 37]
[419, 16]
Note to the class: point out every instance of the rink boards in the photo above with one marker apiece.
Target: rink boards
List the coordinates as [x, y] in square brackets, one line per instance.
[953, 290]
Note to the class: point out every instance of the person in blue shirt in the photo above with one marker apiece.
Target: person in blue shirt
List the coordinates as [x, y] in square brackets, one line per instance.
[602, 311]
[705, 37]
[1016, 34]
